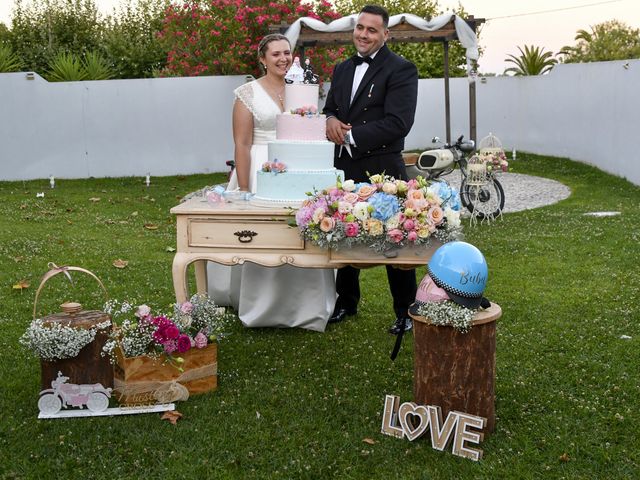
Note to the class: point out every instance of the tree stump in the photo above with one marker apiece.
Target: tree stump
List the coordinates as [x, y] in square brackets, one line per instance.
[89, 366]
[457, 371]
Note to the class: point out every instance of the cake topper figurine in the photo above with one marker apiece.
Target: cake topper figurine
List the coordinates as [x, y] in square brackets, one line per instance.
[309, 76]
[295, 73]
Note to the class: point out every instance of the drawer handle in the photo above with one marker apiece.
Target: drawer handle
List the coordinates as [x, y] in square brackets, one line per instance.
[245, 236]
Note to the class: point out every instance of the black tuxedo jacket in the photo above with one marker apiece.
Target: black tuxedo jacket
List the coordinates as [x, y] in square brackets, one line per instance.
[381, 114]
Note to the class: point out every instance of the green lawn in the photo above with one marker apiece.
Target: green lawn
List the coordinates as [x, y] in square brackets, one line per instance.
[298, 404]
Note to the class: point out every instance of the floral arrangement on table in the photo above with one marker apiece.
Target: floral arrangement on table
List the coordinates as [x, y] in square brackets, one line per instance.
[195, 324]
[383, 214]
[305, 111]
[55, 341]
[274, 167]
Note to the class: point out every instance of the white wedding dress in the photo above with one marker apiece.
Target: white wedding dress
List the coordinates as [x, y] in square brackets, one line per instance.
[283, 296]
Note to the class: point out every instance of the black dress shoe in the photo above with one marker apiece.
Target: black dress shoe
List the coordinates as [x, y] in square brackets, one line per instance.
[339, 314]
[401, 322]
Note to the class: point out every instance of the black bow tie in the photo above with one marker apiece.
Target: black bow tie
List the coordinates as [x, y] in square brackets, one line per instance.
[357, 59]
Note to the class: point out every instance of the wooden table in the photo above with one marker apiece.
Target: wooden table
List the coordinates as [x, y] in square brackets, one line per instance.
[234, 233]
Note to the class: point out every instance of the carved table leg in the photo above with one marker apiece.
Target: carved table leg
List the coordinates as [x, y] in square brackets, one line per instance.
[201, 276]
[179, 272]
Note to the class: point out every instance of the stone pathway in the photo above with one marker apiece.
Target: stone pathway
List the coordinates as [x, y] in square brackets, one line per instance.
[523, 192]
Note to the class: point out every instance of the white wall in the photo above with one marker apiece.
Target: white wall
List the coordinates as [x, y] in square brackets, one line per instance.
[587, 112]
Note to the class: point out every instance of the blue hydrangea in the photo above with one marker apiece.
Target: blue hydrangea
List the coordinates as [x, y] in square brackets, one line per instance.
[384, 206]
[449, 196]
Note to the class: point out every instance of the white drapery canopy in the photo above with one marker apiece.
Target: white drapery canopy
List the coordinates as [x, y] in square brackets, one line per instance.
[465, 34]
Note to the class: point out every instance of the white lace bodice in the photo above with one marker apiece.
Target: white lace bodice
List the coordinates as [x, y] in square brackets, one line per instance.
[263, 109]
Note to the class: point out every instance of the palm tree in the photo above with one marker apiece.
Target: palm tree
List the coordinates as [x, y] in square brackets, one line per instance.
[532, 61]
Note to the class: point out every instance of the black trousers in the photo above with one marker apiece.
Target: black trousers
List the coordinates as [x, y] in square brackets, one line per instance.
[402, 284]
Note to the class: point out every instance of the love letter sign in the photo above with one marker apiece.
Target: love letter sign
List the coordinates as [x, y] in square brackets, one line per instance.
[414, 420]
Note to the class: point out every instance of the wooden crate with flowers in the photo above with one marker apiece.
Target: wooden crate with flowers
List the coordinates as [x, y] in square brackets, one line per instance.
[159, 359]
[71, 341]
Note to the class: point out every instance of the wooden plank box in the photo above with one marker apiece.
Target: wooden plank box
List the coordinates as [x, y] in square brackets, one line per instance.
[146, 380]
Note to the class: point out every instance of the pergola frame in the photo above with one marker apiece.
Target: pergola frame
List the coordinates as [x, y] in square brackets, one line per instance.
[401, 33]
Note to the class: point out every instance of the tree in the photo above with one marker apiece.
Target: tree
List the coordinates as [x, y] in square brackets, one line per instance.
[532, 61]
[131, 40]
[612, 40]
[41, 30]
[428, 57]
[220, 37]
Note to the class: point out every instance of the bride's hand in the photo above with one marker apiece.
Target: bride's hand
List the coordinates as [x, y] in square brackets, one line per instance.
[336, 130]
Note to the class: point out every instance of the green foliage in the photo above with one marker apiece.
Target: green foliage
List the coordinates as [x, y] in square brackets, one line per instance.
[96, 67]
[612, 40]
[40, 30]
[66, 67]
[220, 37]
[131, 38]
[428, 57]
[531, 61]
[9, 61]
[295, 404]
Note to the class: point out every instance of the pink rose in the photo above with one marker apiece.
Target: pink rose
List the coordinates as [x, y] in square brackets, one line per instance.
[415, 195]
[327, 224]
[344, 207]
[186, 308]
[351, 197]
[184, 343]
[200, 340]
[395, 235]
[409, 225]
[412, 236]
[365, 191]
[412, 184]
[436, 215]
[351, 229]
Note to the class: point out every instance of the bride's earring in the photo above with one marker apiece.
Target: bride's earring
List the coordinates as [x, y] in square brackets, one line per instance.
[264, 65]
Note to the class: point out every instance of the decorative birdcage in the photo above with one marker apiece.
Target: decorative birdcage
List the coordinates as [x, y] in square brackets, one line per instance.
[477, 173]
[492, 154]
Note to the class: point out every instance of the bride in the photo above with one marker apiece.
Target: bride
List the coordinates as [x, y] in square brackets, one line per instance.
[284, 296]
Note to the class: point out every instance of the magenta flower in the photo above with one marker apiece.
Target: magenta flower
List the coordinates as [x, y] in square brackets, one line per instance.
[172, 332]
[184, 343]
[351, 229]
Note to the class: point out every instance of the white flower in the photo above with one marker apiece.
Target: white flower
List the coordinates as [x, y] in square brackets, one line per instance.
[318, 215]
[393, 222]
[453, 217]
[361, 211]
[348, 185]
[389, 188]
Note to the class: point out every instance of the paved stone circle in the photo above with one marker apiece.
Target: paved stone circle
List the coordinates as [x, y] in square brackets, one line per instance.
[523, 192]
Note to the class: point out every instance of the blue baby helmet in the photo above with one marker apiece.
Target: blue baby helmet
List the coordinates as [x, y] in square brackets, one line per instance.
[460, 269]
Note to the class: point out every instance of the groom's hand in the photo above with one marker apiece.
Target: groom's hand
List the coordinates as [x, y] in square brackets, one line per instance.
[336, 130]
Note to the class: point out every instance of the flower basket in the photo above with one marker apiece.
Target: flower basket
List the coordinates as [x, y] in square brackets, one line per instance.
[71, 341]
[146, 380]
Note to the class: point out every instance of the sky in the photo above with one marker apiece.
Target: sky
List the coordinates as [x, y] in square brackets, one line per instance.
[509, 24]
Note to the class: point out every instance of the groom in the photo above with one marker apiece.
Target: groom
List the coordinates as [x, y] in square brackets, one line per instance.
[370, 108]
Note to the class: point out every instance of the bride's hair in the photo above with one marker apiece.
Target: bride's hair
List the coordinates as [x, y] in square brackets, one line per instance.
[266, 40]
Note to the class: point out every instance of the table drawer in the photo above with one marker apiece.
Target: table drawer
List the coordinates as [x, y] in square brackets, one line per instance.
[238, 234]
